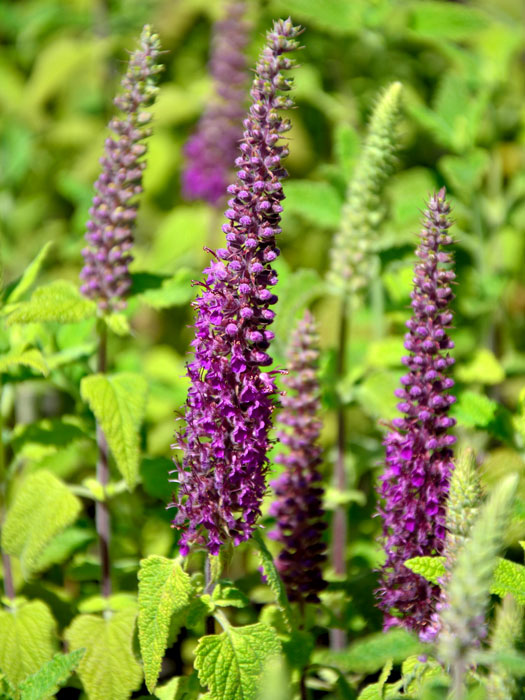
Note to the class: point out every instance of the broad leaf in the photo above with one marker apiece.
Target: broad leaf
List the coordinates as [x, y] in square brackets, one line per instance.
[431, 568]
[231, 664]
[27, 639]
[474, 410]
[372, 653]
[164, 590]
[119, 402]
[43, 507]
[273, 579]
[172, 292]
[108, 668]
[180, 688]
[32, 358]
[44, 683]
[59, 301]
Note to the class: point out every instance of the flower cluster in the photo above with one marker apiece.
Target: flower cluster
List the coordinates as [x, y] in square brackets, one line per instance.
[414, 485]
[211, 150]
[298, 508]
[230, 401]
[109, 234]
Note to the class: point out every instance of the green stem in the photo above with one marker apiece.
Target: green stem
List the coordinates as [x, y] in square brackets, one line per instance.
[101, 508]
[9, 587]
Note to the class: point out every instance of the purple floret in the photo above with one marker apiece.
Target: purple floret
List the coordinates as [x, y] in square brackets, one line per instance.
[105, 274]
[414, 485]
[230, 402]
[212, 149]
[298, 507]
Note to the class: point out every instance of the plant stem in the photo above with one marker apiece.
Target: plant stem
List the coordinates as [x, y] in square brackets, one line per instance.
[9, 587]
[209, 585]
[102, 508]
[338, 636]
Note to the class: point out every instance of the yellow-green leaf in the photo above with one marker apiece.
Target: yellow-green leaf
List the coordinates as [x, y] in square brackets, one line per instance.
[108, 668]
[28, 358]
[164, 591]
[44, 683]
[119, 402]
[29, 276]
[43, 507]
[232, 664]
[27, 639]
[59, 301]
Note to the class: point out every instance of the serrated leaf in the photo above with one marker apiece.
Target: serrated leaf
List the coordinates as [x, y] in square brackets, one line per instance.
[44, 683]
[32, 358]
[108, 668]
[118, 323]
[372, 653]
[27, 639]
[173, 291]
[59, 301]
[316, 201]
[119, 402]
[165, 590]
[474, 410]
[43, 507]
[226, 595]
[431, 568]
[29, 276]
[509, 577]
[231, 664]
[273, 579]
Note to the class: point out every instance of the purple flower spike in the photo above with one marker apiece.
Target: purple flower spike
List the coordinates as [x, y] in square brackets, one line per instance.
[211, 150]
[109, 234]
[298, 508]
[415, 483]
[230, 401]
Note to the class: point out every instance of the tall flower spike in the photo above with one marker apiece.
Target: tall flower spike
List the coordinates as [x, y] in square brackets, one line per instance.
[506, 635]
[211, 150]
[109, 234]
[463, 623]
[298, 508]
[414, 485]
[363, 211]
[230, 400]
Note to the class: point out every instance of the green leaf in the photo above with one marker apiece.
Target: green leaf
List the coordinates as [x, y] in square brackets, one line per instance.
[443, 20]
[54, 432]
[164, 590]
[333, 16]
[474, 410]
[174, 291]
[119, 402]
[29, 276]
[108, 668]
[180, 688]
[273, 579]
[317, 202]
[485, 368]
[431, 568]
[29, 358]
[118, 323]
[296, 293]
[44, 683]
[27, 639]
[59, 301]
[376, 394]
[465, 172]
[226, 595]
[509, 577]
[43, 507]
[62, 546]
[231, 664]
[372, 653]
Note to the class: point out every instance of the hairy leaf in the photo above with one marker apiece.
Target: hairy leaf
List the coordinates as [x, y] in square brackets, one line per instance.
[273, 579]
[431, 568]
[164, 590]
[44, 683]
[509, 577]
[59, 301]
[32, 358]
[108, 668]
[43, 507]
[119, 402]
[27, 639]
[231, 664]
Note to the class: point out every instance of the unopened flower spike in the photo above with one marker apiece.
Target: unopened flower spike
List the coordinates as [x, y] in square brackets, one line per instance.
[298, 506]
[212, 149]
[414, 485]
[105, 276]
[363, 211]
[223, 464]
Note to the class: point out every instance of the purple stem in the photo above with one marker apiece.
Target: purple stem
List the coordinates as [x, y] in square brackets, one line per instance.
[102, 508]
